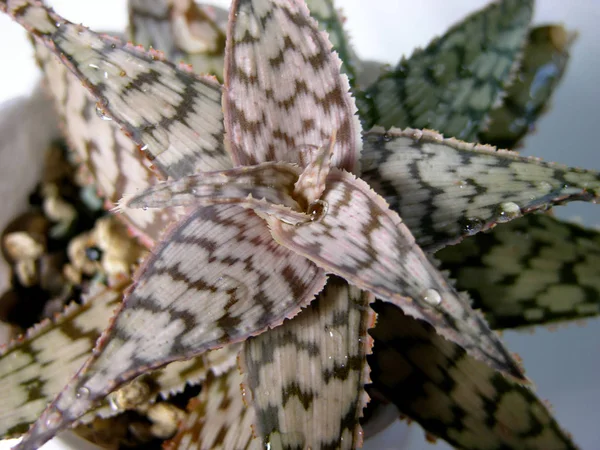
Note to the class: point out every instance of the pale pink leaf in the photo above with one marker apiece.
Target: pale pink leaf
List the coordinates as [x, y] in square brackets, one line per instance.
[217, 278]
[218, 418]
[305, 379]
[360, 239]
[283, 88]
[172, 114]
[106, 158]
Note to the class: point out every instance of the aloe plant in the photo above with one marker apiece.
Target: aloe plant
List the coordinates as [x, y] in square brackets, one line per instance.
[269, 186]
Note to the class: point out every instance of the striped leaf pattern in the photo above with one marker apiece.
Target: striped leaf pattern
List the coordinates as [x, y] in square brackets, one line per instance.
[218, 418]
[307, 376]
[35, 368]
[217, 278]
[361, 240]
[283, 88]
[445, 189]
[534, 270]
[173, 115]
[106, 157]
[451, 85]
[434, 382]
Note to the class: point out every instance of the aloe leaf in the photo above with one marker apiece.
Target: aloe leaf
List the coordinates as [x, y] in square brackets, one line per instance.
[543, 64]
[306, 378]
[218, 418]
[34, 368]
[173, 115]
[445, 189]
[332, 21]
[451, 85]
[453, 396]
[283, 88]
[217, 278]
[245, 186]
[534, 270]
[105, 157]
[360, 239]
[183, 30]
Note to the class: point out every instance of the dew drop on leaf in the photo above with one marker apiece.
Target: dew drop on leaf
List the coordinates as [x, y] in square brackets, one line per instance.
[432, 297]
[507, 211]
[82, 393]
[472, 225]
[317, 210]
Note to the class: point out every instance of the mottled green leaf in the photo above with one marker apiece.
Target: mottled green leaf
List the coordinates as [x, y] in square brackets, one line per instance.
[332, 21]
[453, 396]
[451, 85]
[543, 64]
[534, 270]
[445, 189]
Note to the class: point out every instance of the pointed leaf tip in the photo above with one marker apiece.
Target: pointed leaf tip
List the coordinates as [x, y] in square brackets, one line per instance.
[360, 239]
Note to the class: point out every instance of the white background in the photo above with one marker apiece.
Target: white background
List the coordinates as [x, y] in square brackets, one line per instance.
[565, 364]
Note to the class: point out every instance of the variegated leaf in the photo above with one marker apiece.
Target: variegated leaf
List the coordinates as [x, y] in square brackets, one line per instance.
[267, 189]
[307, 377]
[360, 239]
[283, 88]
[35, 368]
[445, 189]
[452, 84]
[536, 269]
[106, 157]
[218, 418]
[174, 116]
[331, 21]
[271, 181]
[453, 396]
[182, 29]
[543, 64]
[217, 278]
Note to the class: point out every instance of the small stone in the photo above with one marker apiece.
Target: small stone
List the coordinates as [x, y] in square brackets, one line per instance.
[134, 394]
[26, 271]
[165, 418]
[20, 246]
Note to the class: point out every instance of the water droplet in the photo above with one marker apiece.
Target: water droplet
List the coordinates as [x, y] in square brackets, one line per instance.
[507, 211]
[82, 393]
[100, 107]
[432, 297]
[387, 137]
[53, 419]
[113, 402]
[472, 225]
[317, 210]
[462, 184]
[94, 66]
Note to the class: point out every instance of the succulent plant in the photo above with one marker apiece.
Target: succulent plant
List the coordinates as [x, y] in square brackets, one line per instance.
[280, 233]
